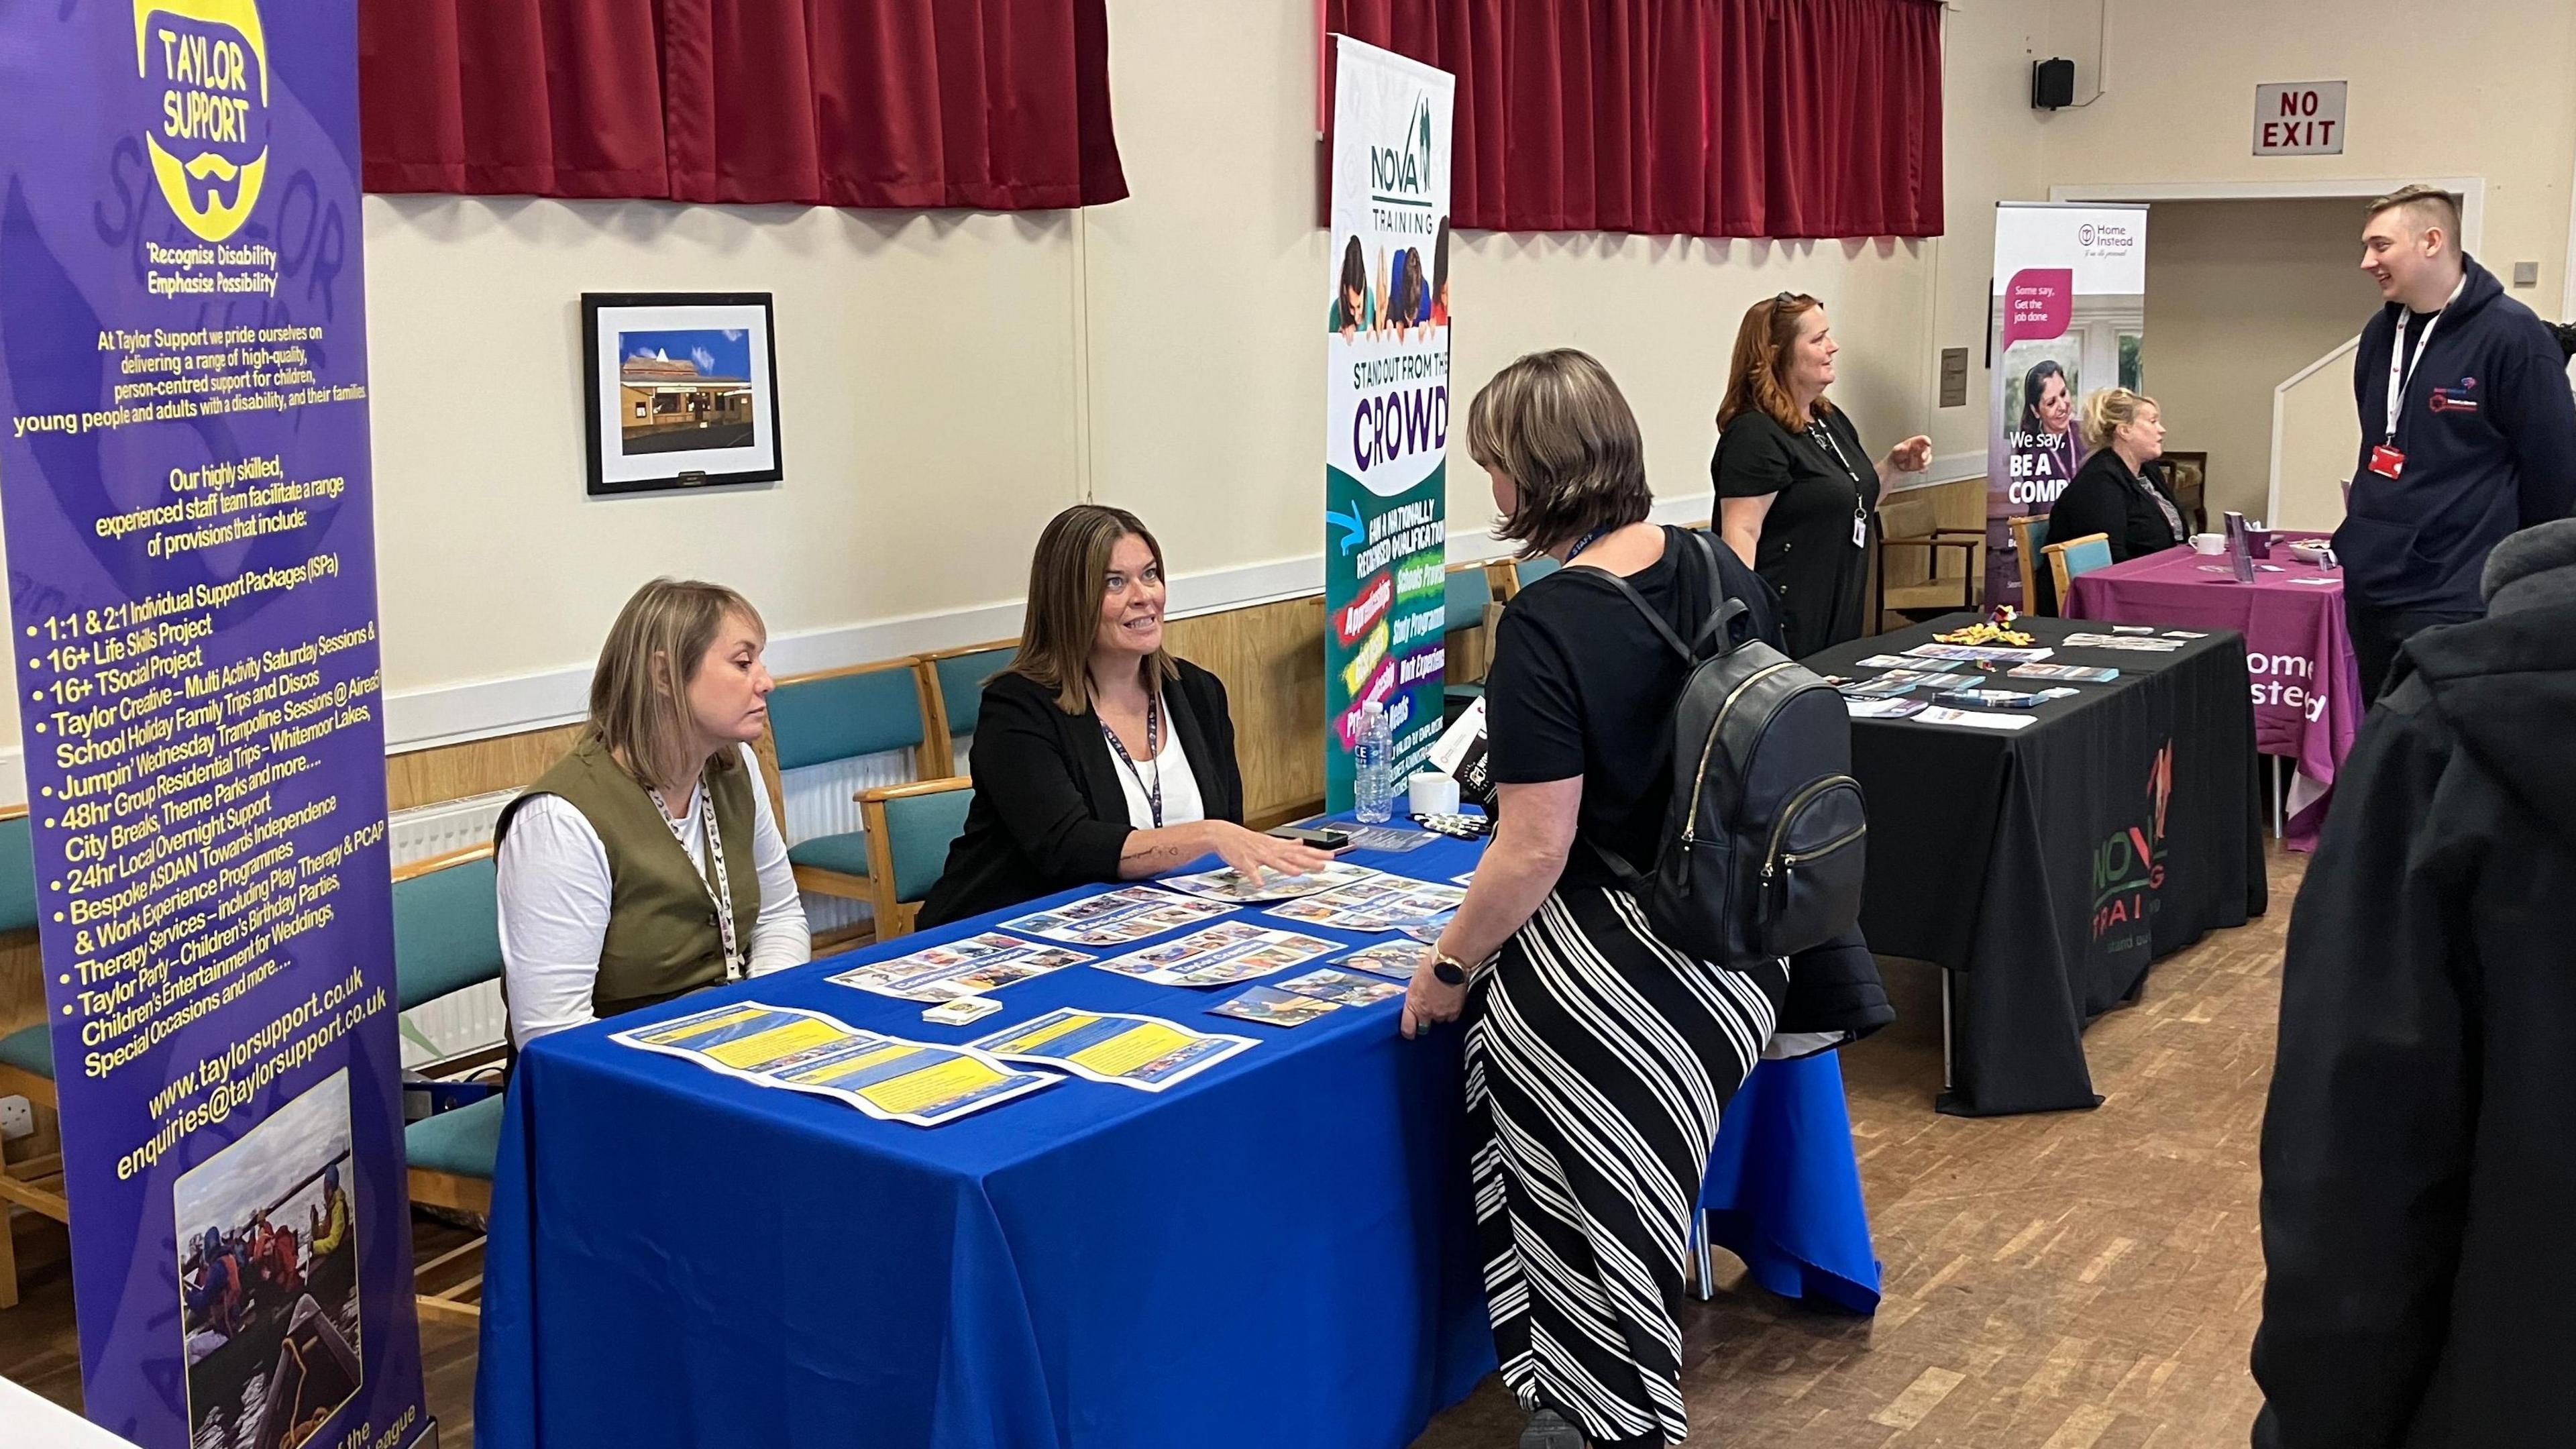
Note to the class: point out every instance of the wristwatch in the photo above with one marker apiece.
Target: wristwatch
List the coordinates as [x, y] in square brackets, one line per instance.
[1448, 968]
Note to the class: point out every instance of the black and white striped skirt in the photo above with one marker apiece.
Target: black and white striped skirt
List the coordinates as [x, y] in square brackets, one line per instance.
[1598, 1060]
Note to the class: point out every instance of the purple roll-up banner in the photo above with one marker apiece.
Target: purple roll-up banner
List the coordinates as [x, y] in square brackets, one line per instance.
[191, 547]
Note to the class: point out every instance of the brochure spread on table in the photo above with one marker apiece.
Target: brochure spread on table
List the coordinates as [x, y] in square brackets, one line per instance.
[1395, 960]
[1275, 1008]
[1114, 918]
[2064, 673]
[967, 967]
[1343, 988]
[1144, 1052]
[1881, 708]
[1387, 903]
[1980, 653]
[1976, 719]
[1231, 885]
[2135, 643]
[1226, 952]
[886, 1077]
[1906, 661]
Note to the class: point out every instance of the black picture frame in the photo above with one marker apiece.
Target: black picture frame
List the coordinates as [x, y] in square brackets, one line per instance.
[693, 400]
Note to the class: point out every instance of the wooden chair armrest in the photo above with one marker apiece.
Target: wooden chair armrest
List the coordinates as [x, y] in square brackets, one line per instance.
[412, 869]
[879, 794]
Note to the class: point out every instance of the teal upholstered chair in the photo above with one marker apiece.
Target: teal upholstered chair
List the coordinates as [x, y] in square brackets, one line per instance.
[909, 829]
[447, 937]
[26, 1059]
[953, 683]
[1528, 571]
[2029, 536]
[841, 714]
[2075, 558]
[1470, 594]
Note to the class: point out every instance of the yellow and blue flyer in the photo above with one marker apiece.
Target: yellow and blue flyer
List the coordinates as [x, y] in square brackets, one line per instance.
[886, 1077]
[1143, 1052]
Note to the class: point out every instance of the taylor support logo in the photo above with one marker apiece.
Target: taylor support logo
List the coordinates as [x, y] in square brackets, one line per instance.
[209, 144]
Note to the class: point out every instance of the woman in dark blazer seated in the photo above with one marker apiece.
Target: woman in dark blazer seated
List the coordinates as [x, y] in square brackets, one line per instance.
[2119, 491]
[1098, 756]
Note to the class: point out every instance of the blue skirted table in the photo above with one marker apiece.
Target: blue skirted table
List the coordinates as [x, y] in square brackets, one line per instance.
[1278, 1251]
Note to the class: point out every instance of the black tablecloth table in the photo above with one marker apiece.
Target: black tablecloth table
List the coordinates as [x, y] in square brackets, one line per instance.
[2046, 868]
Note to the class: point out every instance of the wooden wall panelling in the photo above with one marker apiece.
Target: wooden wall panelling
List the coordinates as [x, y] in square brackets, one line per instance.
[477, 767]
[1271, 657]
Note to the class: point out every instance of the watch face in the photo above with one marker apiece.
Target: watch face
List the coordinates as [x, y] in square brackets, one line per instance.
[1449, 972]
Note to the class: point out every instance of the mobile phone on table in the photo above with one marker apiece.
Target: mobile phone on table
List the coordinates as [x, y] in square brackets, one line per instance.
[1320, 837]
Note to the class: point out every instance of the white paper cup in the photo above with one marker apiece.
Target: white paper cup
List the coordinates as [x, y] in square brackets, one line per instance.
[1433, 792]
[2209, 543]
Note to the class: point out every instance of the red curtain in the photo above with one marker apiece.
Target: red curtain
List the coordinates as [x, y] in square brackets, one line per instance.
[1734, 118]
[998, 105]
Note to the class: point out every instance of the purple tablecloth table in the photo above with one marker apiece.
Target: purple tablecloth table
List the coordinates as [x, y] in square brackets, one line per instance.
[2307, 688]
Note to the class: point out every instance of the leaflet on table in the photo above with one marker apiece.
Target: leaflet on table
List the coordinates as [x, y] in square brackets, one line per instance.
[2067, 673]
[1991, 698]
[1232, 886]
[886, 1077]
[1342, 988]
[1114, 918]
[1462, 752]
[1395, 960]
[1907, 661]
[1144, 1052]
[1972, 653]
[968, 967]
[1976, 720]
[1225, 952]
[1272, 1007]
[2157, 645]
[1895, 681]
[1394, 839]
[1388, 903]
[1882, 708]
[1464, 877]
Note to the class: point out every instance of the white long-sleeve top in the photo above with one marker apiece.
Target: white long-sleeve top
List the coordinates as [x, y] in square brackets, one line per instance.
[554, 895]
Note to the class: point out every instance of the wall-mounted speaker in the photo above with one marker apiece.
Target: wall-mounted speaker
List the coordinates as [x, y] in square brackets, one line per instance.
[2052, 84]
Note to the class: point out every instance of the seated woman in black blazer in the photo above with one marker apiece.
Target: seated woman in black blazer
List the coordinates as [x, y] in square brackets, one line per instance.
[1098, 757]
[2118, 491]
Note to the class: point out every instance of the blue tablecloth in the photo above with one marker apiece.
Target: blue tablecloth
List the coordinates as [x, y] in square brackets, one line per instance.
[1279, 1251]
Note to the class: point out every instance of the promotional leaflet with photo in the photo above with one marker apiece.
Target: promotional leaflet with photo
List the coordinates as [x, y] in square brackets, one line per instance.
[2134, 643]
[967, 967]
[1905, 661]
[1979, 653]
[886, 1077]
[1395, 961]
[2064, 673]
[1226, 952]
[1976, 719]
[1115, 918]
[1342, 988]
[1143, 1052]
[1235, 888]
[1275, 1008]
[1883, 708]
[1388, 903]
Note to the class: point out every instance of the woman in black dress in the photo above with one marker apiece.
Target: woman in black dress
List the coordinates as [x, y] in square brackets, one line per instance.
[1598, 1056]
[1797, 494]
[2119, 491]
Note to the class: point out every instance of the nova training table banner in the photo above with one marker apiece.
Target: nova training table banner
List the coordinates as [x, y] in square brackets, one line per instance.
[1278, 1250]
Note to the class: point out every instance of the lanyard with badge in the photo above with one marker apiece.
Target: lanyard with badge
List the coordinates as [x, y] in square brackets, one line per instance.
[2387, 460]
[737, 964]
[1153, 751]
[1824, 437]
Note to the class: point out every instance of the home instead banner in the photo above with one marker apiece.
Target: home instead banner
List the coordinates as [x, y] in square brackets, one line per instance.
[1387, 406]
[2070, 315]
[183, 478]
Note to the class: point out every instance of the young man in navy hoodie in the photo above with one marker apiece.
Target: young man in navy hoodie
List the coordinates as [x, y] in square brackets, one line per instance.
[2468, 431]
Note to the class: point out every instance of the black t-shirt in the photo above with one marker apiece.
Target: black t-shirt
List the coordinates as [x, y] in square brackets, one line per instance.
[1582, 685]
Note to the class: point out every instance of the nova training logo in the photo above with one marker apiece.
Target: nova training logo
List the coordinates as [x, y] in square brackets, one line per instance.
[1404, 172]
[209, 143]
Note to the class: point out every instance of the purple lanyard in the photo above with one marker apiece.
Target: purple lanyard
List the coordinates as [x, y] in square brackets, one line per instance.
[1153, 750]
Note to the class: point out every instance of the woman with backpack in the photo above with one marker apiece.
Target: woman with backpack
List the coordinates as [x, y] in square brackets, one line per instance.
[1598, 1054]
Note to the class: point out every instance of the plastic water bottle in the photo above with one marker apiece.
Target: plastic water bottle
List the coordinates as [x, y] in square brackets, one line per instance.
[1373, 766]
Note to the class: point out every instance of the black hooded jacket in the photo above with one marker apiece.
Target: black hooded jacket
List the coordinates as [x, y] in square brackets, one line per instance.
[2488, 428]
[2419, 1151]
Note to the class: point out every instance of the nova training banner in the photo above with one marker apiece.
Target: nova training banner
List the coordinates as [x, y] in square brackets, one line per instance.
[1387, 410]
[2070, 317]
[190, 537]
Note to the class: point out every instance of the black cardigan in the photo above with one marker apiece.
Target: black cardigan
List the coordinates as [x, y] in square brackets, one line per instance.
[1048, 812]
[2104, 497]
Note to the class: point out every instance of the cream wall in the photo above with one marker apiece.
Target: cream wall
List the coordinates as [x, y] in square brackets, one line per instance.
[2240, 295]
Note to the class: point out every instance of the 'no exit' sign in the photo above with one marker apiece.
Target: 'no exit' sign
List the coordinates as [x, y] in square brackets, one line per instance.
[2299, 118]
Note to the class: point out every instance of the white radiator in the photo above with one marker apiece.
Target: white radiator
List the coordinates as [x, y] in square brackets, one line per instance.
[820, 801]
[467, 1020]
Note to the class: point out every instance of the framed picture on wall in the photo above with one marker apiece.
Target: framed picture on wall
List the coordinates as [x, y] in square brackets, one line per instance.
[682, 390]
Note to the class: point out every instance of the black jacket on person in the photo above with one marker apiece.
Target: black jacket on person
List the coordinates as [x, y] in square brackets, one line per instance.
[2105, 497]
[2489, 432]
[1049, 813]
[2419, 1151]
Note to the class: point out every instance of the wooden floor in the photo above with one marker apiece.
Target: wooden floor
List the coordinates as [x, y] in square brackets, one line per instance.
[2083, 1280]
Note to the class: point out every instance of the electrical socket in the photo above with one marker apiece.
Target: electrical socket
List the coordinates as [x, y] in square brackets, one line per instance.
[17, 1117]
